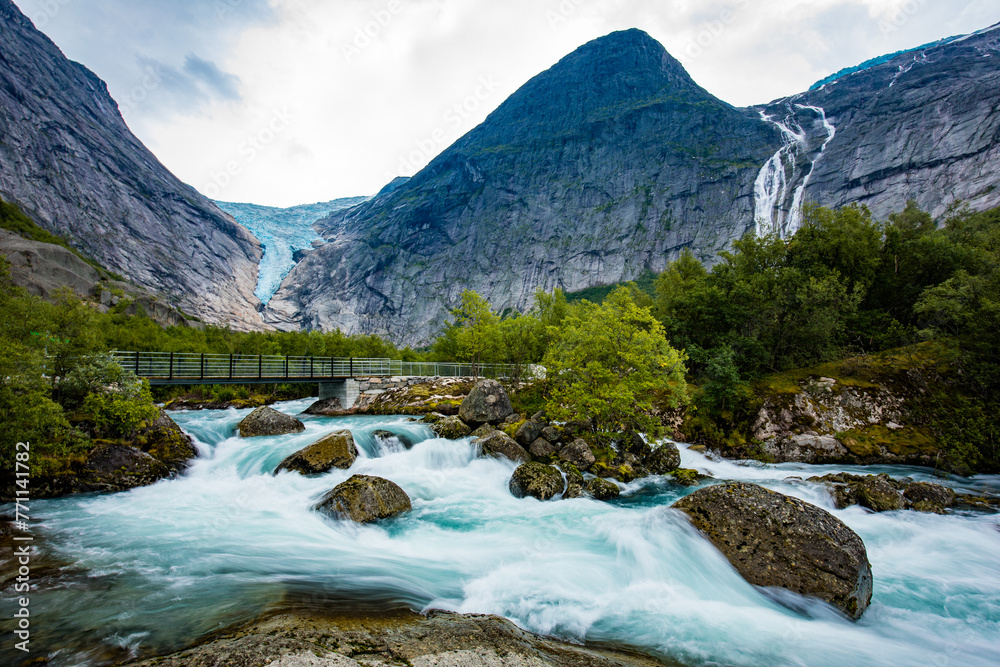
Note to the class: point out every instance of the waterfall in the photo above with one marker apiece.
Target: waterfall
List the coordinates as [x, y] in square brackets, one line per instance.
[779, 189]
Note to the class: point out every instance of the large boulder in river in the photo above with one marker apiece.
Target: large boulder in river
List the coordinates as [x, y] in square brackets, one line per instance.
[536, 480]
[114, 466]
[451, 428]
[500, 445]
[774, 540]
[601, 489]
[336, 450]
[487, 403]
[879, 493]
[164, 440]
[664, 459]
[268, 421]
[364, 499]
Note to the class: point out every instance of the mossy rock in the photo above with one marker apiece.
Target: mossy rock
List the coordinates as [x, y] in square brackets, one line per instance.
[451, 428]
[164, 440]
[336, 450]
[601, 489]
[500, 445]
[624, 473]
[268, 421]
[114, 466]
[364, 499]
[536, 480]
[687, 476]
[663, 459]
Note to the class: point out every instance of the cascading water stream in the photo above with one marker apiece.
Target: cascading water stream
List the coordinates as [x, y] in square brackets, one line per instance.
[788, 171]
[155, 568]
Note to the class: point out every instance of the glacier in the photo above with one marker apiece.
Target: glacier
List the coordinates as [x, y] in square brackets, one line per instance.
[282, 231]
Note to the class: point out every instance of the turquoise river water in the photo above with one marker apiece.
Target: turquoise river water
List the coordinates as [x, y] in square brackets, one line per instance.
[155, 568]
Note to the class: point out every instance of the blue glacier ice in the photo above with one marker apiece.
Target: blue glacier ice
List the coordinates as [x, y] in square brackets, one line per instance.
[282, 231]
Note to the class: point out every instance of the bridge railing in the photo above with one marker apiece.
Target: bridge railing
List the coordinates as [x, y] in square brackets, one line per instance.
[196, 367]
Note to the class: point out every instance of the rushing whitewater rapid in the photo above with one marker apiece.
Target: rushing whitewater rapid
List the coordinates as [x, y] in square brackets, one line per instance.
[155, 568]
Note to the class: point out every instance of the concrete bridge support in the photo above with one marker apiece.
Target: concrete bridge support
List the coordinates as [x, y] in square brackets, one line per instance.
[346, 390]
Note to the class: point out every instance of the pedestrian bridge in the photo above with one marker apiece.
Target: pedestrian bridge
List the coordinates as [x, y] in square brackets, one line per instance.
[336, 376]
[165, 368]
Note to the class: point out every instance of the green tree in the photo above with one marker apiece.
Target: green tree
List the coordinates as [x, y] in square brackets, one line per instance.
[478, 336]
[606, 362]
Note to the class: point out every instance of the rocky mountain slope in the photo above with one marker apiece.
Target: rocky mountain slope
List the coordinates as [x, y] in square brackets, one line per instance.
[614, 160]
[596, 170]
[924, 125]
[68, 159]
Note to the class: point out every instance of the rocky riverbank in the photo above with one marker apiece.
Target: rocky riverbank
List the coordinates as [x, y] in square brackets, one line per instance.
[398, 639]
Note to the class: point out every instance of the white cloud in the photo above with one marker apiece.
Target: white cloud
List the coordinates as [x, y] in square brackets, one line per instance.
[306, 100]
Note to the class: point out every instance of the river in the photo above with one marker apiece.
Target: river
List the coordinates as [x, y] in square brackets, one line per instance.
[155, 568]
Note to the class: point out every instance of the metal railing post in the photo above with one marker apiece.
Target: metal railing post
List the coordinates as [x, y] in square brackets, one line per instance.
[171, 376]
[352, 367]
[230, 366]
[136, 363]
[286, 367]
[202, 365]
[312, 373]
[260, 366]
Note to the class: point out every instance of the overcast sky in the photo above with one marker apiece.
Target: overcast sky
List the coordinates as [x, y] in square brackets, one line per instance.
[284, 102]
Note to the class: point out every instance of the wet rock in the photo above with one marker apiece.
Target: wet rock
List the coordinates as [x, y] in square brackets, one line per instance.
[806, 449]
[542, 449]
[663, 459]
[432, 418]
[364, 499]
[536, 480]
[601, 489]
[929, 497]
[118, 467]
[268, 421]
[325, 407]
[500, 445]
[633, 443]
[336, 450]
[623, 472]
[164, 440]
[440, 639]
[389, 435]
[687, 476]
[483, 430]
[451, 428]
[578, 453]
[528, 432]
[879, 493]
[775, 540]
[574, 480]
[486, 403]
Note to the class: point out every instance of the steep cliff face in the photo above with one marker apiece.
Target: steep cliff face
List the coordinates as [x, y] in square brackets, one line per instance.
[604, 166]
[923, 125]
[69, 160]
[614, 160]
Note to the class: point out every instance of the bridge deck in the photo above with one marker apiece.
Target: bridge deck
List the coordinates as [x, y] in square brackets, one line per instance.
[162, 368]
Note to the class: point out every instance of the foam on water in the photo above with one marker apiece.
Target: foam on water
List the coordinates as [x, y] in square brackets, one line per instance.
[160, 565]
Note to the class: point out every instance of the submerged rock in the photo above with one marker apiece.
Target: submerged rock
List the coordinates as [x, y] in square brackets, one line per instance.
[486, 403]
[536, 480]
[774, 540]
[500, 445]
[336, 450]
[664, 459]
[364, 499]
[451, 428]
[881, 493]
[389, 435]
[602, 489]
[268, 421]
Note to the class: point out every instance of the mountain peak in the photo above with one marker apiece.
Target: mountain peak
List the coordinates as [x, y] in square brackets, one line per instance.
[603, 78]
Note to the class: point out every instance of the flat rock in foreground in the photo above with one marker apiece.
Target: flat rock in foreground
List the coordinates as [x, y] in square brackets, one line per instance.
[774, 540]
[440, 639]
